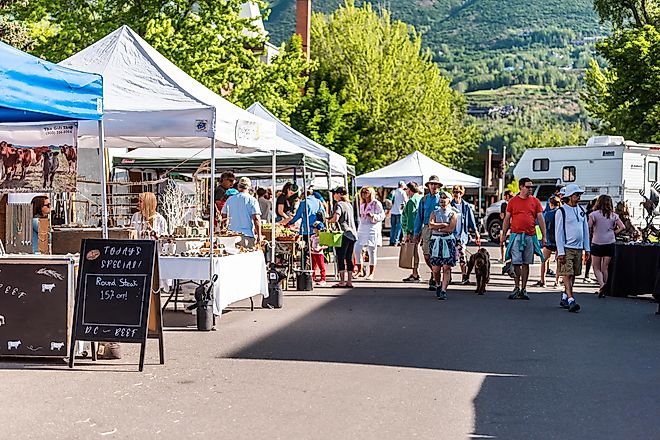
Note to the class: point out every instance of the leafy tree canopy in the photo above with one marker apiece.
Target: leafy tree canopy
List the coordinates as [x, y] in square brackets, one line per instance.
[381, 94]
[624, 96]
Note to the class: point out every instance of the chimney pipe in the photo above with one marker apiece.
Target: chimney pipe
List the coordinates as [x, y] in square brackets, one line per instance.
[303, 23]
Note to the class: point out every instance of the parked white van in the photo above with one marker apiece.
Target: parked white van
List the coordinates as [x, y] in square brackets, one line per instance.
[606, 165]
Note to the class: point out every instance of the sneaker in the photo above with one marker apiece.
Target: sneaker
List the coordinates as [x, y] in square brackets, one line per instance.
[589, 280]
[523, 294]
[411, 279]
[550, 273]
[563, 303]
[321, 283]
[440, 294]
[573, 307]
[432, 285]
[515, 293]
[465, 281]
[539, 284]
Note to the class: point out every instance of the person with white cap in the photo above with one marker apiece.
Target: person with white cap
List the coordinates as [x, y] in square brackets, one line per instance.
[523, 212]
[443, 255]
[244, 214]
[572, 236]
[398, 203]
[427, 205]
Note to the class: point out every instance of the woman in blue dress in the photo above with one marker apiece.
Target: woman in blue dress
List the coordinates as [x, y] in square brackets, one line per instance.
[442, 224]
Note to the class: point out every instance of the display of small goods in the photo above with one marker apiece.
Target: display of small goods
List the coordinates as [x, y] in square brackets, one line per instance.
[281, 233]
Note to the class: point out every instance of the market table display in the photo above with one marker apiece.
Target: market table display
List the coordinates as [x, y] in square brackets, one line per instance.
[635, 270]
[240, 276]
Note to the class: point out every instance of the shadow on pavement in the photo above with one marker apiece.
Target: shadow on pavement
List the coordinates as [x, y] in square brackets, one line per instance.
[565, 375]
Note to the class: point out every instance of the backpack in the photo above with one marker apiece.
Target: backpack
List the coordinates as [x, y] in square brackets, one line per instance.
[551, 229]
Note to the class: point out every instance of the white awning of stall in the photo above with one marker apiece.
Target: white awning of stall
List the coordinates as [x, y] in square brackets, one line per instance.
[150, 102]
[337, 161]
[416, 167]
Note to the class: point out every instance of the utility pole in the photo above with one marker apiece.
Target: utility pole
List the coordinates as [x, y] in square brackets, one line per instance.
[503, 170]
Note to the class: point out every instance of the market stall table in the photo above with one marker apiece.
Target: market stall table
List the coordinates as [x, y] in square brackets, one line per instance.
[635, 270]
[240, 276]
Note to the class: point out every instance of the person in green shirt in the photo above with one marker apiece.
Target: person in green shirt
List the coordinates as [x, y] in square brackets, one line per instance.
[408, 226]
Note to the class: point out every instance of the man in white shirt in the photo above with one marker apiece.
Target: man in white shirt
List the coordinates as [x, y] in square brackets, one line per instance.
[572, 237]
[398, 203]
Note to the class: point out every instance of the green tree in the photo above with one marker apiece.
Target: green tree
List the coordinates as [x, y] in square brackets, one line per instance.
[624, 96]
[392, 98]
[12, 30]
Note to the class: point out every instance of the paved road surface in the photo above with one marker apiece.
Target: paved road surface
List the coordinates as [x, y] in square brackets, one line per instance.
[382, 361]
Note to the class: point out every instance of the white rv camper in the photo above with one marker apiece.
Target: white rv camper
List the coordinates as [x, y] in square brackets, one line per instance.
[606, 165]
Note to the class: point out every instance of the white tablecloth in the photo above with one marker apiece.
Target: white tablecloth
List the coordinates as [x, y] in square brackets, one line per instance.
[239, 276]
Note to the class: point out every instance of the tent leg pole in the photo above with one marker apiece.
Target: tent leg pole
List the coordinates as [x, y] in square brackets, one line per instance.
[480, 205]
[104, 182]
[307, 254]
[212, 211]
[272, 211]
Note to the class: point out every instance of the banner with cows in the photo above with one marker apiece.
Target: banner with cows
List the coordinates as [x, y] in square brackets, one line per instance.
[38, 158]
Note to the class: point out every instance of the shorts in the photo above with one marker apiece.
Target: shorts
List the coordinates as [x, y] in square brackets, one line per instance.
[426, 241]
[573, 264]
[602, 250]
[460, 253]
[525, 256]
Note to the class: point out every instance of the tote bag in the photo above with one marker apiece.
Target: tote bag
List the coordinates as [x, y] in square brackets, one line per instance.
[406, 252]
[330, 238]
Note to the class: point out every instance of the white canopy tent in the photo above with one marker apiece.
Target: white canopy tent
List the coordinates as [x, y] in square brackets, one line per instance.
[149, 102]
[416, 167]
[337, 162]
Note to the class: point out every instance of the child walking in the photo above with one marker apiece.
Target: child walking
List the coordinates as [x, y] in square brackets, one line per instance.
[318, 259]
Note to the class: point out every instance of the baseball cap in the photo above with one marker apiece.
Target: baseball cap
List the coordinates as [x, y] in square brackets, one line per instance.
[244, 182]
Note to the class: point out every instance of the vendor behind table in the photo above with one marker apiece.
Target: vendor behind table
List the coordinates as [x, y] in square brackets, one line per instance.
[243, 215]
[148, 223]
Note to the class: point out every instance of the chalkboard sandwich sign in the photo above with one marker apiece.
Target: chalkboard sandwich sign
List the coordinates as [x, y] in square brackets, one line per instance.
[116, 281]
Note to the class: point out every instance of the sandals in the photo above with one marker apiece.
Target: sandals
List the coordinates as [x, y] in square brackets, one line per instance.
[338, 285]
[539, 284]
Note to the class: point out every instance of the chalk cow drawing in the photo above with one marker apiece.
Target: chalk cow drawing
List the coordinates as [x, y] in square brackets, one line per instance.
[47, 288]
[56, 345]
[13, 345]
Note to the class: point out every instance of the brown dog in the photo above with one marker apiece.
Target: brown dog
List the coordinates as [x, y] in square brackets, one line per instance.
[480, 261]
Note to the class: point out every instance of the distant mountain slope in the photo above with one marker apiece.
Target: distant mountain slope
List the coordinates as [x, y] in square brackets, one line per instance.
[488, 44]
[472, 24]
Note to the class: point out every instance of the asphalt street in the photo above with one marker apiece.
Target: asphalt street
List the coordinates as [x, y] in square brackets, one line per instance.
[384, 360]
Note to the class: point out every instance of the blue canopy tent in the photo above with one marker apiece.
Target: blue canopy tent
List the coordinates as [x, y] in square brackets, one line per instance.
[35, 90]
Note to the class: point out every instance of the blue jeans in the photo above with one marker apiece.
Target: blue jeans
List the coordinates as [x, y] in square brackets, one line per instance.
[395, 230]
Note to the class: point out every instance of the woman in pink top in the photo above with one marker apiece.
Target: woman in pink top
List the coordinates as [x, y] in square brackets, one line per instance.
[604, 224]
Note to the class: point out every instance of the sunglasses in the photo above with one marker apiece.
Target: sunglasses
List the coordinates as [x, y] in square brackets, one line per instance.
[434, 184]
[47, 205]
[457, 192]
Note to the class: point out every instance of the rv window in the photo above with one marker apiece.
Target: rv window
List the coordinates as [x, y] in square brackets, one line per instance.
[541, 165]
[652, 171]
[568, 175]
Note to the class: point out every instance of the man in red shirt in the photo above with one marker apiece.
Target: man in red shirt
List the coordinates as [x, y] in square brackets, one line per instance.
[522, 214]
